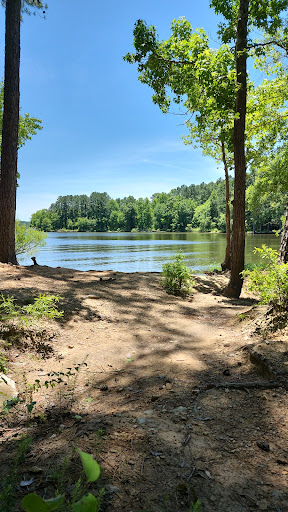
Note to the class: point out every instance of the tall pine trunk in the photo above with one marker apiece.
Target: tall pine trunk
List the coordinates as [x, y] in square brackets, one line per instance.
[238, 230]
[9, 151]
[226, 265]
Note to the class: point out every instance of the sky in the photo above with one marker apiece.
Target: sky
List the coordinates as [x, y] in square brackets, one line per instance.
[101, 131]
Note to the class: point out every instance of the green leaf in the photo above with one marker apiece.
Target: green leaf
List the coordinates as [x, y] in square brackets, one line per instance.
[91, 467]
[34, 503]
[87, 504]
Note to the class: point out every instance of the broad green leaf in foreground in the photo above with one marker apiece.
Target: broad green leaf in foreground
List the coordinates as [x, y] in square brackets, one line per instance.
[87, 504]
[91, 467]
[34, 503]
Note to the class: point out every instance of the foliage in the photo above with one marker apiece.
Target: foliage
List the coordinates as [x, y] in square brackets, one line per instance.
[172, 211]
[88, 503]
[196, 507]
[181, 208]
[263, 15]
[44, 306]
[183, 70]
[271, 283]
[177, 276]
[28, 239]
[28, 125]
[26, 397]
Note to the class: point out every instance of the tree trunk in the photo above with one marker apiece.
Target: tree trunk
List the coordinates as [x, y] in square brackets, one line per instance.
[238, 230]
[8, 175]
[226, 265]
[283, 256]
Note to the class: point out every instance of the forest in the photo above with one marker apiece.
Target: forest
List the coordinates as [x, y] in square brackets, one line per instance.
[186, 208]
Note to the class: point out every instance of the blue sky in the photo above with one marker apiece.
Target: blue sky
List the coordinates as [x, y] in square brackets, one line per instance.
[101, 131]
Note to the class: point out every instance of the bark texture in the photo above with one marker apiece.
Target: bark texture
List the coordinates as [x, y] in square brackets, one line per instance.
[283, 256]
[9, 151]
[238, 230]
[226, 265]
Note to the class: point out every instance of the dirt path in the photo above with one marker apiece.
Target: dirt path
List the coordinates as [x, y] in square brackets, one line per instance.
[146, 405]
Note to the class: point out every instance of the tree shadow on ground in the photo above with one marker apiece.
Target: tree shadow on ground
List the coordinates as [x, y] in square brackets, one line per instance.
[162, 431]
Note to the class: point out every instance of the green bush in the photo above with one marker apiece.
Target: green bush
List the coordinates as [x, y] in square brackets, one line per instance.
[271, 283]
[28, 240]
[44, 306]
[177, 276]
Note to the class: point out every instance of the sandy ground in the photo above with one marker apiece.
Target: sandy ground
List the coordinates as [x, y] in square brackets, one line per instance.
[155, 404]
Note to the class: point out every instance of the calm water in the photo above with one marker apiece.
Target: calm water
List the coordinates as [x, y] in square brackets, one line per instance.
[134, 252]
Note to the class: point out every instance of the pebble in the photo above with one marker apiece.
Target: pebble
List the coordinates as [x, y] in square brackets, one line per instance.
[179, 410]
[112, 488]
[262, 505]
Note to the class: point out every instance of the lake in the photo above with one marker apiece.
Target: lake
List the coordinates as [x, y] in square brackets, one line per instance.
[139, 252]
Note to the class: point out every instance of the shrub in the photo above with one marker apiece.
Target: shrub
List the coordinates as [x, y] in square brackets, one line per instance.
[271, 283]
[28, 240]
[44, 306]
[177, 276]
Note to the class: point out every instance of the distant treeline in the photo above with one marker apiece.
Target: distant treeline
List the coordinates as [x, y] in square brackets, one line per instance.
[183, 209]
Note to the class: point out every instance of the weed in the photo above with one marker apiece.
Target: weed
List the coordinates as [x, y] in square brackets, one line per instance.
[34, 503]
[177, 276]
[10, 483]
[196, 507]
[270, 283]
[26, 397]
[15, 319]
[44, 306]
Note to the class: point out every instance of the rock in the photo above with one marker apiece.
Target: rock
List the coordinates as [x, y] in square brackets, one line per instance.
[35, 469]
[112, 488]
[179, 410]
[262, 505]
[7, 387]
[263, 445]
[26, 483]
[168, 385]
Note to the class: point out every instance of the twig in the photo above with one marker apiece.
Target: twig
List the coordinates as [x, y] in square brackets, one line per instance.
[191, 474]
[142, 465]
[186, 440]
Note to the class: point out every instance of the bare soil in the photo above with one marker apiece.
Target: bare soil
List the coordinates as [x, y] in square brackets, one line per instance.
[169, 404]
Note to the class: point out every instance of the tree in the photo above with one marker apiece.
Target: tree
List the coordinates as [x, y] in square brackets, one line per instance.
[201, 79]
[240, 16]
[238, 231]
[10, 128]
[9, 149]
